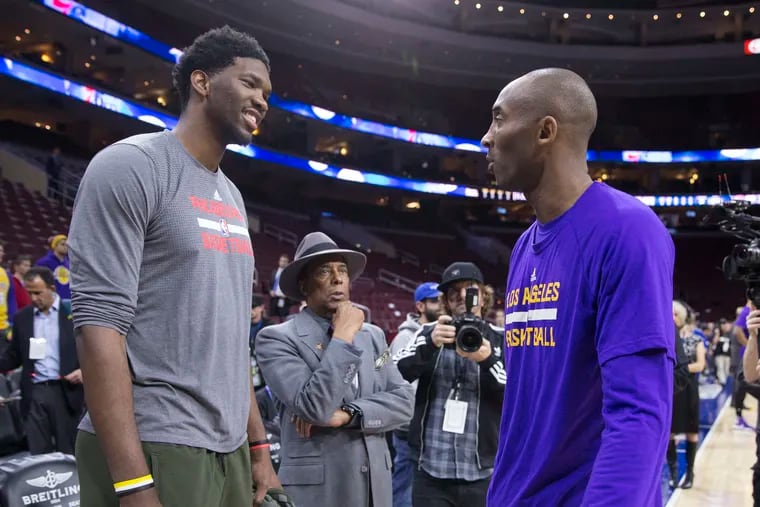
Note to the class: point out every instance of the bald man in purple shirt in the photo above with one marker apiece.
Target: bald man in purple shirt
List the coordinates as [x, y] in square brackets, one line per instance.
[588, 324]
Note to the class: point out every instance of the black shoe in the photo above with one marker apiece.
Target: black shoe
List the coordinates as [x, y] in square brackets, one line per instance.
[688, 480]
[673, 482]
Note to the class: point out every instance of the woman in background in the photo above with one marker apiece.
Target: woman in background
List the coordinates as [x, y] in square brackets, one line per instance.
[686, 402]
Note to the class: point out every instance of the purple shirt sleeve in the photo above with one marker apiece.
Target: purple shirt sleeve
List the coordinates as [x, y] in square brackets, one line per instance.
[636, 290]
[741, 320]
[637, 411]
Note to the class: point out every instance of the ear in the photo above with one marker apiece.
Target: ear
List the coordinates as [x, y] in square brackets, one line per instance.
[200, 82]
[547, 131]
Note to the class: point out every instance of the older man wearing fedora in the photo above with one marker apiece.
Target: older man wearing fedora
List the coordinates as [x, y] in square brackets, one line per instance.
[336, 388]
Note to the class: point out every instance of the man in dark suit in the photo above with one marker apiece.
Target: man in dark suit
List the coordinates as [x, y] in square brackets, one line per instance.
[337, 390]
[279, 305]
[51, 381]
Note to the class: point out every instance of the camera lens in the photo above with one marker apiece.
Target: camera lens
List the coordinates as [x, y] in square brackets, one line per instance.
[469, 338]
[747, 255]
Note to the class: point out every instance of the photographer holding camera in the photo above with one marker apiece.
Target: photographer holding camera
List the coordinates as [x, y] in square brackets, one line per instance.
[458, 361]
[751, 375]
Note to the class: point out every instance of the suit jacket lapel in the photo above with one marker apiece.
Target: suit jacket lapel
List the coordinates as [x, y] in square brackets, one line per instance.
[66, 345]
[363, 340]
[29, 322]
[317, 341]
[28, 332]
[311, 333]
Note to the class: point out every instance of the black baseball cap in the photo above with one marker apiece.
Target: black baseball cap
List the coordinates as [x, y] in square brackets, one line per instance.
[459, 271]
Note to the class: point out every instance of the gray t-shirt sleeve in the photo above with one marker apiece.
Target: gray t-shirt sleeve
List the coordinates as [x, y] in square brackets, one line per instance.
[113, 209]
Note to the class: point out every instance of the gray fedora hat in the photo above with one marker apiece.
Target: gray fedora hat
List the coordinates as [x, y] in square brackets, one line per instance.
[313, 245]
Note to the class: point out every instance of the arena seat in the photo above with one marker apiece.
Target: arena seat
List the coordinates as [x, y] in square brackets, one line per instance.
[11, 428]
[27, 219]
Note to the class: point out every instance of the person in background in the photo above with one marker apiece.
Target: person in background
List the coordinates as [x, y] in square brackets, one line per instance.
[279, 305]
[454, 433]
[7, 302]
[271, 419]
[43, 344]
[57, 261]
[681, 380]
[256, 280]
[337, 390]
[686, 402]
[738, 343]
[751, 369]
[427, 307]
[498, 319]
[721, 347]
[697, 331]
[258, 322]
[19, 267]
[710, 333]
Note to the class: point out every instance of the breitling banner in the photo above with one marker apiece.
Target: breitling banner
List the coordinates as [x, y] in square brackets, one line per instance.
[40, 481]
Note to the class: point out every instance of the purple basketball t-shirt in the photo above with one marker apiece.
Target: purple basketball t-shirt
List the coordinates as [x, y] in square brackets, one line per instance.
[590, 354]
[741, 320]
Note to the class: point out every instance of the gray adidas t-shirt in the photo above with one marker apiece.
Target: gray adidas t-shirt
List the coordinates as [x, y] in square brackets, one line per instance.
[160, 251]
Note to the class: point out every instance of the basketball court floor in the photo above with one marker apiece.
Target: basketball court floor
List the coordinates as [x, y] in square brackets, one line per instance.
[722, 469]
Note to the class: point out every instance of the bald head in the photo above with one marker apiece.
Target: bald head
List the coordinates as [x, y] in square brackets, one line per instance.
[559, 93]
[541, 123]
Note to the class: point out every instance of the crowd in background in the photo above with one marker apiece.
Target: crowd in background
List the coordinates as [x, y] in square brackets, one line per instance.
[714, 349]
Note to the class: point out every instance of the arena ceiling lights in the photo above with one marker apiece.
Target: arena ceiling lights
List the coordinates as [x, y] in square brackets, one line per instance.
[37, 77]
[129, 35]
[752, 47]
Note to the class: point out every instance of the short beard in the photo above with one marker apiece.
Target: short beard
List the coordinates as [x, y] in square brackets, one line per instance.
[233, 135]
[226, 130]
[430, 316]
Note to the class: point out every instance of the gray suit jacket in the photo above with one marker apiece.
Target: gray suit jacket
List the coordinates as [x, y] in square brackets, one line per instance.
[311, 377]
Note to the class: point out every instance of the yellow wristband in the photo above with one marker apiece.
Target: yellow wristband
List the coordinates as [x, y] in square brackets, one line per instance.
[132, 485]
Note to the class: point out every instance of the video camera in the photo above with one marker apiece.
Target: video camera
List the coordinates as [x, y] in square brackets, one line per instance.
[470, 327]
[743, 264]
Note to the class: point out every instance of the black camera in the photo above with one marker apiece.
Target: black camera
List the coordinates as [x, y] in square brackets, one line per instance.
[743, 263]
[469, 326]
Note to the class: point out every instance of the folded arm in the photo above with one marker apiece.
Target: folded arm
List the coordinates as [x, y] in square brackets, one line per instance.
[392, 406]
[313, 396]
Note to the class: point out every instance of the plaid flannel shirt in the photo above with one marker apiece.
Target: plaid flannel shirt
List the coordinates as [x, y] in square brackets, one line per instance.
[447, 455]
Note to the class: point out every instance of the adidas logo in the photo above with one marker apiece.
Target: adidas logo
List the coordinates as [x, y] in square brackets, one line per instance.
[217, 197]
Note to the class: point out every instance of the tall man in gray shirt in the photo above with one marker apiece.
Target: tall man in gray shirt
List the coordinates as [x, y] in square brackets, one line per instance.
[162, 271]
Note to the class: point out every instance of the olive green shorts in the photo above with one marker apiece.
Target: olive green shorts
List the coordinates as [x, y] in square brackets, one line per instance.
[184, 476]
